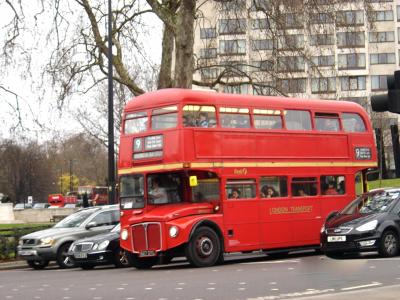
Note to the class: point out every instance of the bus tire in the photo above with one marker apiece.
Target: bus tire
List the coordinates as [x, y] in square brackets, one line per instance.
[87, 266]
[38, 264]
[203, 248]
[334, 254]
[141, 263]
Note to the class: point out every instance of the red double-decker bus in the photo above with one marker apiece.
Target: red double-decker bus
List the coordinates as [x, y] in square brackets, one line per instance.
[202, 174]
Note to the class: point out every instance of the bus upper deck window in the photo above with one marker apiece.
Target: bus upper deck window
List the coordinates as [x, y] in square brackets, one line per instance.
[163, 118]
[135, 122]
[231, 117]
[353, 122]
[199, 116]
[297, 120]
[267, 119]
[327, 122]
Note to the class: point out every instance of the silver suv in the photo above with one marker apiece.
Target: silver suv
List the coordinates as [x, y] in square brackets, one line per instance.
[41, 247]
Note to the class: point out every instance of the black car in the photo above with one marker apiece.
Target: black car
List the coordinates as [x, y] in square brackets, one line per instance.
[369, 223]
[99, 250]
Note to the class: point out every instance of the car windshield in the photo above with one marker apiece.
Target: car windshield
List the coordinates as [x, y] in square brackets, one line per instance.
[76, 219]
[373, 202]
[116, 228]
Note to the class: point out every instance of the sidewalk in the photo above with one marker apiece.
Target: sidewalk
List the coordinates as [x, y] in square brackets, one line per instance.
[14, 264]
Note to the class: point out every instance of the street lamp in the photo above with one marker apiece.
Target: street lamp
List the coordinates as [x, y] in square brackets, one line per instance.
[111, 168]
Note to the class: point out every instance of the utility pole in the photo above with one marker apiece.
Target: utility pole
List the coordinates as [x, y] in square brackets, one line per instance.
[111, 164]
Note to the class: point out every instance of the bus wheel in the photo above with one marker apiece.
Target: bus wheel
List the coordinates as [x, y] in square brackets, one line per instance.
[203, 248]
[141, 263]
[38, 264]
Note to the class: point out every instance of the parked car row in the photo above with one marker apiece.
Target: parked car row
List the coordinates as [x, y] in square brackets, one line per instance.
[90, 236]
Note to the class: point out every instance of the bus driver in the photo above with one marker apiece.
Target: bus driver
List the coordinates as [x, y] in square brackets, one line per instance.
[158, 195]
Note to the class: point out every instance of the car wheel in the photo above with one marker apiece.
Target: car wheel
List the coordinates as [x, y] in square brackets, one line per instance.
[141, 263]
[38, 264]
[121, 258]
[87, 266]
[63, 260]
[203, 248]
[389, 244]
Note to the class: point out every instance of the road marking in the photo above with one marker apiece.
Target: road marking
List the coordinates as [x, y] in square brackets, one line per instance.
[148, 288]
[181, 283]
[294, 294]
[272, 282]
[270, 262]
[211, 288]
[241, 289]
[178, 288]
[361, 286]
[242, 283]
[120, 288]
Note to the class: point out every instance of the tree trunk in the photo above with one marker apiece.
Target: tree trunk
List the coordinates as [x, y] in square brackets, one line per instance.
[165, 76]
[184, 40]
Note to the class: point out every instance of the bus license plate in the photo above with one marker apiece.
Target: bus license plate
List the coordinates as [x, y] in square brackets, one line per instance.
[146, 253]
[80, 255]
[337, 238]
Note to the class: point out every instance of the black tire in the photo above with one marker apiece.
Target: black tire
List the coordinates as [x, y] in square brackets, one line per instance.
[276, 255]
[204, 248]
[389, 244]
[38, 264]
[334, 254]
[121, 258]
[86, 266]
[141, 263]
[63, 261]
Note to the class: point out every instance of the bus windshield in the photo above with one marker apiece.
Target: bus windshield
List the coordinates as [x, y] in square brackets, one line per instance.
[164, 188]
[132, 191]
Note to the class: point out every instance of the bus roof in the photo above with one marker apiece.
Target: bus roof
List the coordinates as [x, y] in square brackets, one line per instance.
[171, 96]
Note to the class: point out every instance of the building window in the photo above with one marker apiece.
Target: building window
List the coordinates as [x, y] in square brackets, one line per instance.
[351, 17]
[398, 13]
[208, 53]
[382, 15]
[352, 83]
[232, 26]
[291, 42]
[262, 45]
[323, 85]
[232, 47]
[323, 61]
[382, 58]
[236, 5]
[261, 5]
[260, 23]
[262, 65]
[381, 37]
[292, 21]
[266, 89]
[296, 85]
[322, 39]
[351, 39]
[321, 18]
[209, 73]
[351, 61]
[234, 68]
[378, 82]
[236, 89]
[208, 33]
[291, 64]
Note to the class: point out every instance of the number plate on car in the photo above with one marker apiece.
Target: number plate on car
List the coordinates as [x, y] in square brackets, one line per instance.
[80, 255]
[337, 238]
[147, 253]
[27, 252]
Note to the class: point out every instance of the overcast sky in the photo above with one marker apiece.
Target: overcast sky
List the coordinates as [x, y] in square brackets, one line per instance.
[36, 100]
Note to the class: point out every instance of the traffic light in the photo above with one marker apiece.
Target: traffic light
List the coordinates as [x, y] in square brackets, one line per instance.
[391, 100]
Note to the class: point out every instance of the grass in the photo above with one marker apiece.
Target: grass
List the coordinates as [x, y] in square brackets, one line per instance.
[384, 183]
[23, 225]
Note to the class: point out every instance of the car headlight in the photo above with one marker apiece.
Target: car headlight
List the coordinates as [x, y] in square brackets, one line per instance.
[95, 246]
[368, 226]
[47, 241]
[124, 234]
[20, 242]
[173, 231]
[103, 245]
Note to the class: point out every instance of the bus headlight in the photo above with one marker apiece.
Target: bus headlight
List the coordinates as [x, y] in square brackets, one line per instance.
[124, 234]
[173, 231]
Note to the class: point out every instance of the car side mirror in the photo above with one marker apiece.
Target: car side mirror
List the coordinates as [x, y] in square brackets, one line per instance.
[331, 215]
[91, 225]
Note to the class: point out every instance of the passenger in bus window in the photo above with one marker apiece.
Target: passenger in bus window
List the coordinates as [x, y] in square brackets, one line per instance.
[203, 120]
[268, 192]
[341, 189]
[157, 194]
[331, 189]
[235, 194]
[188, 121]
[301, 192]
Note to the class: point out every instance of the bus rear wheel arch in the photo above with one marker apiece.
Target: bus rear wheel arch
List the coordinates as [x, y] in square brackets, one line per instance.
[204, 247]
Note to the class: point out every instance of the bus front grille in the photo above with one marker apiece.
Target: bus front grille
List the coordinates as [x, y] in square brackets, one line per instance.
[146, 236]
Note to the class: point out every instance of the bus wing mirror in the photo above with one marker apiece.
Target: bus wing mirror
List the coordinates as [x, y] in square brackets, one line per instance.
[193, 181]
